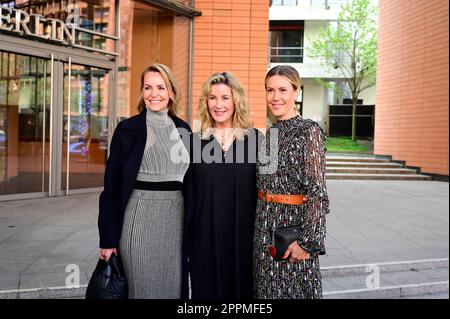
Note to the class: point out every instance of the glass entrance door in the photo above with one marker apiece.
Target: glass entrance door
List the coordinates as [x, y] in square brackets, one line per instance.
[85, 126]
[24, 123]
[55, 120]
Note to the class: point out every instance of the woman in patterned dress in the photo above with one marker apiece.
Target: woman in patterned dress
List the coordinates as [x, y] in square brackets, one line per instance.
[299, 170]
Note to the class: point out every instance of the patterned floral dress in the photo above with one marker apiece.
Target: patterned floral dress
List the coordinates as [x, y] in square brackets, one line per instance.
[299, 169]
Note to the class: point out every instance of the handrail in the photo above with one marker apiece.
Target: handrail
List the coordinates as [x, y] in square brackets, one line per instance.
[298, 48]
[284, 3]
[276, 53]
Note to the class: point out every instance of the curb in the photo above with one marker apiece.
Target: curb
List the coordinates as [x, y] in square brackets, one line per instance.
[360, 269]
[327, 272]
[389, 292]
[45, 293]
[379, 293]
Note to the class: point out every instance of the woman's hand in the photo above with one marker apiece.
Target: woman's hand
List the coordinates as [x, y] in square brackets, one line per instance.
[105, 253]
[295, 253]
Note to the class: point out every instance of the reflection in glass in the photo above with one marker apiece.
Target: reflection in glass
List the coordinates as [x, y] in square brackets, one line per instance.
[98, 16]
[24, 123]
[88, 138]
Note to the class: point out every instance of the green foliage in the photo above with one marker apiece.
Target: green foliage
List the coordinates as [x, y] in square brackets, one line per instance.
[350, 45]
[344, 144]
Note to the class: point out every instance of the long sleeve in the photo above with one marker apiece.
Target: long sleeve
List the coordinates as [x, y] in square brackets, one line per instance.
[110, 198]
[313, 232]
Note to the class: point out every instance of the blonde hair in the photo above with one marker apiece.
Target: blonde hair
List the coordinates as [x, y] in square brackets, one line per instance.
[174, 104]
[286, 71]
[241, 116]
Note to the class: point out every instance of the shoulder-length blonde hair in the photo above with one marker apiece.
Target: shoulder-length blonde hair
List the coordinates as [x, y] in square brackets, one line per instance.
[171, 84]
[241, 116]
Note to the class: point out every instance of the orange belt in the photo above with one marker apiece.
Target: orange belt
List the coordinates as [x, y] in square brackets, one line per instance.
[282, 199]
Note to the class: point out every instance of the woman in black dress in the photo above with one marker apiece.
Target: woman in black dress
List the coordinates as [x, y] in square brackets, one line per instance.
[294, 193]
[220, 226]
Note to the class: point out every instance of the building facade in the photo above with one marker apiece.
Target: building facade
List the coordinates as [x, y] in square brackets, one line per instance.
[233, 36]
[412, 84]
[293, 26]
[70, 70]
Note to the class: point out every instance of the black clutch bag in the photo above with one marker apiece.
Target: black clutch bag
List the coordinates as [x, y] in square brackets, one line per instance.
[108, 280]
[281, 239]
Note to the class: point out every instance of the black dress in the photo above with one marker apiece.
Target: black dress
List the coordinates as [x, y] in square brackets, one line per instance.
[221, 227]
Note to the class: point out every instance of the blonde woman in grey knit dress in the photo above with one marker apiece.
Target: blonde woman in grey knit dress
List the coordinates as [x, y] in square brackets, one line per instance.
[295, 193]
[141, 207]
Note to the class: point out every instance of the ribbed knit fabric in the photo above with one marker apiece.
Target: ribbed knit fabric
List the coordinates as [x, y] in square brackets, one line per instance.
[150, 246]
[151, 242]
[165, 157]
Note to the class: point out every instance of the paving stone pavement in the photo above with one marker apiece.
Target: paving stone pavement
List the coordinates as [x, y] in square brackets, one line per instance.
[46, 242]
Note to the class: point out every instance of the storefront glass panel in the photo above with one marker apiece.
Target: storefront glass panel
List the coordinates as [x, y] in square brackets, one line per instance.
[87, 133]
[77, 90]
[24, 123]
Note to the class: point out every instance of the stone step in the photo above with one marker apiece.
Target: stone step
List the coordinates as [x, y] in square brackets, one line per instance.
[368, 168]
[387, 280]
[351, 176]
[393, 266]
[359, 164]
[363, 170]
[356, 159]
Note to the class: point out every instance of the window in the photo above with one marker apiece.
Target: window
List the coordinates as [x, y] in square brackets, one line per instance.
[286, 42]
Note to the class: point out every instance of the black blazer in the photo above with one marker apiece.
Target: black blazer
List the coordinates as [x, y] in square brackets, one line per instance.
[126, 152]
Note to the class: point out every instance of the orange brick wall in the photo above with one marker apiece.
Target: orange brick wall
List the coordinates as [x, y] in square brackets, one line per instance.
[411, 117]
[233, 36]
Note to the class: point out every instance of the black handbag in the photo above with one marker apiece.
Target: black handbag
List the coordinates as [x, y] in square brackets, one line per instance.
[282, 237]
[108, 280]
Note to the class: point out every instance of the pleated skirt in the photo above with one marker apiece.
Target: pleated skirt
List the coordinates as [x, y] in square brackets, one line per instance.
[151, 244]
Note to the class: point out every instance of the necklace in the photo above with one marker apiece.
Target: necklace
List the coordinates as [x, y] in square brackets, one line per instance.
[223, 140]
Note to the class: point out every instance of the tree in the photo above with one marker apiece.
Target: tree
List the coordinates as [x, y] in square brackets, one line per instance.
[351, 47]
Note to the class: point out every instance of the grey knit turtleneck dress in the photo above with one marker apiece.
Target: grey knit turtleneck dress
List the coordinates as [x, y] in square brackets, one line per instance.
[150, 246]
